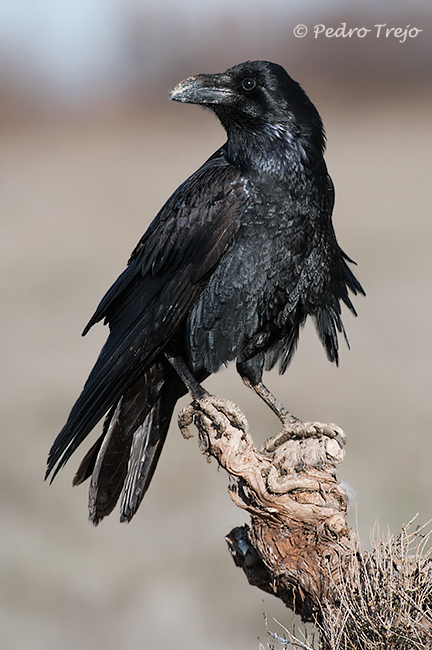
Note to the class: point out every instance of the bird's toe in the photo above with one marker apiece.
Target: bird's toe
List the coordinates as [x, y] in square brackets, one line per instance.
[297, 429]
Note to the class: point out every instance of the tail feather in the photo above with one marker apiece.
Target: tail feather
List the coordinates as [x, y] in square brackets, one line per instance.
[124, 458]
[109, 470]
[146, 448]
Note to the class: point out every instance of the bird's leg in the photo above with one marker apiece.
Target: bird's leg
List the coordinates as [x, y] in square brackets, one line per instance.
[270, 400]
[292, 426]
[218, 410]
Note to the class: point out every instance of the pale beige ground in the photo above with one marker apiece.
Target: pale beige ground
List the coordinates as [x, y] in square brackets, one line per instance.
[74, 199]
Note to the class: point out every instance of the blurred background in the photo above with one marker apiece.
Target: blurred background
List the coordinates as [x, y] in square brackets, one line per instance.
[90, 148]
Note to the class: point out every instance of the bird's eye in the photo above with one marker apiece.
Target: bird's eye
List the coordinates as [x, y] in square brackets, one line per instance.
[248, 84]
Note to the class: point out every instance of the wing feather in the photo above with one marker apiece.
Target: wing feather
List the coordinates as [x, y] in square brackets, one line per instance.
[150, 299]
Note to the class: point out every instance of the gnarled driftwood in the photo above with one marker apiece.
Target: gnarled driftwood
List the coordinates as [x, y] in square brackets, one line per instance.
[299, 545]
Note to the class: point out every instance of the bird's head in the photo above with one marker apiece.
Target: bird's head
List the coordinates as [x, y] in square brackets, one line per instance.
[254, 95]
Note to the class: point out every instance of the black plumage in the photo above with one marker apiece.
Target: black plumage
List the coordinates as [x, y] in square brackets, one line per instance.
[233, 264]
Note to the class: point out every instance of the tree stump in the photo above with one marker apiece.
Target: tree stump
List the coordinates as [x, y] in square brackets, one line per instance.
[299, 546]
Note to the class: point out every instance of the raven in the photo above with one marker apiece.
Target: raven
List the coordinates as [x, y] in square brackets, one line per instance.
[230, 268]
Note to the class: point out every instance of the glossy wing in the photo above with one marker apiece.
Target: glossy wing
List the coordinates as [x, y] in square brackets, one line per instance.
[148, 302]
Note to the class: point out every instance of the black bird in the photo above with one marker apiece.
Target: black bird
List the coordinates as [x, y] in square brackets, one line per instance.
[230, 268]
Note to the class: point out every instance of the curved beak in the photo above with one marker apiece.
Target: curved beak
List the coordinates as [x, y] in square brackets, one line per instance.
[203, 89]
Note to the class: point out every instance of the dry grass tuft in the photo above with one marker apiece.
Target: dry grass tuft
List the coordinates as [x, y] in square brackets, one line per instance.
[385, 602]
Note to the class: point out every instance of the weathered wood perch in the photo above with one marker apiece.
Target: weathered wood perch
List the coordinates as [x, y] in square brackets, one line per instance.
[299, 546]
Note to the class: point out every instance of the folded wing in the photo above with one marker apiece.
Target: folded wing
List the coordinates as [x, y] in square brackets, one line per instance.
[149, 301]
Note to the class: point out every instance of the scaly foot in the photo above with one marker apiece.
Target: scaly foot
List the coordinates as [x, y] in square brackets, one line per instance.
[294, 428]
[219, 411]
